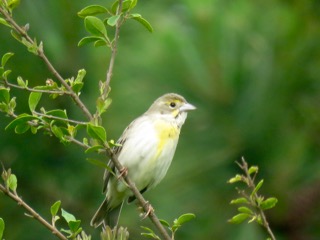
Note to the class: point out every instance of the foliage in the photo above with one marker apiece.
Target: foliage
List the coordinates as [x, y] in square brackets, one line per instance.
[252, 204]
[253, 77]
[177, 223]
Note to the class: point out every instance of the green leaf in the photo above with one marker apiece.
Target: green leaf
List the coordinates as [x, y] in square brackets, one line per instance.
[97, 132]
[186, 218]
[245, 210]
[239, 218]
[133, 4]
[67, 231]
[2, 227]
[256, 189]
[89, 39]
[72, 130]
[239, 201]
[103, 105]
[253, 169]
[67, 216]
[95, 26]
[20, 82]
[92, 10]
[22, 128]
[55, 208]
[112, 21]
[16, 35]
[12, 182]
[268, 203]
[126, 5]
[114, 144]
[4, 107]
[57, 113]
[34, 99]
[74, 225]
[23, 118]
[140, 19]
[100, 164]
[34, 130]
[164, 223]
[32, 47]
[149, 233]
[115, 6]
[6, 74]
[13, 4]
[85, 141]
[95, 148]
[12, 104]
[100, 43]
[4, 95]
[236, 178]
[177, 223]
[80, 76]
[4, 22]
[57, 131]
[6, 57]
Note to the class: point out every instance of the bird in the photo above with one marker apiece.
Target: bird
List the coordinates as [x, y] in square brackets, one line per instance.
[145, 149]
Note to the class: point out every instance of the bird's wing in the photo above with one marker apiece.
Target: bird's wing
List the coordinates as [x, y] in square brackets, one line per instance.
[107, 175]
[116, 152]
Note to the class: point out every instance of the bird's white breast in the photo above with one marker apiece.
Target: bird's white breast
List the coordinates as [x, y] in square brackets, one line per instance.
[148, 151]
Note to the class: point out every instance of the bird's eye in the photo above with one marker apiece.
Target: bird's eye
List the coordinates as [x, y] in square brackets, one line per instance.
[172, 104]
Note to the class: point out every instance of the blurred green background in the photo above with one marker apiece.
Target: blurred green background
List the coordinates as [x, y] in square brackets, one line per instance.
[251, 67]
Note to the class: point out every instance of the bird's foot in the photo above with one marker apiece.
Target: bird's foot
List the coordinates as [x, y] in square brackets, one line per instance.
[149, 210]
[123, 172]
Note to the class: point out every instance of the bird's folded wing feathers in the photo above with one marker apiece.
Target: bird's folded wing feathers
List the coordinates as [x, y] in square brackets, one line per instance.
[107, 173]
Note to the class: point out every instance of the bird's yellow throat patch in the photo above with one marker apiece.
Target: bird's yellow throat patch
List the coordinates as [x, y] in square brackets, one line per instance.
[167, 133]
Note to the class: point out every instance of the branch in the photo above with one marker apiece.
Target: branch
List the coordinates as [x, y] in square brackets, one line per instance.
[61, 119]
[143, 203]
[42, 55]
[36, 90]
[77, 142]
[33, 213]
[244, 167]
[113, 46]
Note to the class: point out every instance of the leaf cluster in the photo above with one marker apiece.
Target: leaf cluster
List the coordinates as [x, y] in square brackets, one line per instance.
[251, 204]
[177, 223]
[112, 17]
[10, 180]
[7, 104]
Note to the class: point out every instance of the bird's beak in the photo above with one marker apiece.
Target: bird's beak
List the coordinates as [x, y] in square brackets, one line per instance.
[187, 107]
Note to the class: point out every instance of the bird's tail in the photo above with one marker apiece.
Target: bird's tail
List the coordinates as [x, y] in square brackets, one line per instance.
[106, 215]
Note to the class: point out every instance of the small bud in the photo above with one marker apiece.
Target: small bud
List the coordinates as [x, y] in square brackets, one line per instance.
[237, 178]
[49, 82]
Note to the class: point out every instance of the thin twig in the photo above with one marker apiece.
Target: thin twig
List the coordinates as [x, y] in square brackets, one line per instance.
[77, 142]
[32, 212]
[42, 55]
[114, 46]
[36, 90]
[60, 119]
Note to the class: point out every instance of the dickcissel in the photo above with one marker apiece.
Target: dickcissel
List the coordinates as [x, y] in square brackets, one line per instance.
[146, 149]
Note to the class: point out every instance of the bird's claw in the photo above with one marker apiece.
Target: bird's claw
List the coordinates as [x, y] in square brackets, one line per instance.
[123, 172]
[149, 211]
